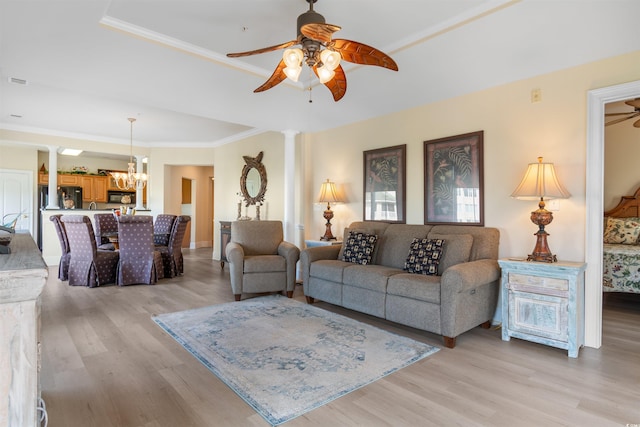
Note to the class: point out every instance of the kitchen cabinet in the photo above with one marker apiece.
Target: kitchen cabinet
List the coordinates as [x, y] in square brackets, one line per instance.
[63, 180]
[94, 188]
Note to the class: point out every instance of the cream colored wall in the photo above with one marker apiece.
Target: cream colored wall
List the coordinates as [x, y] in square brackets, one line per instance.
[516, 131]
[67, 163]
[622, 150]
[228, 168]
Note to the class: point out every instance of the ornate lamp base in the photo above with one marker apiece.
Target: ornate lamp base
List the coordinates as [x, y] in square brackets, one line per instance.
[541, 253]
[328, 215]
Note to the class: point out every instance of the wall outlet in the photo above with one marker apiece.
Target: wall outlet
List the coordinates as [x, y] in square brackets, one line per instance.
[536, 95]
[553, 205]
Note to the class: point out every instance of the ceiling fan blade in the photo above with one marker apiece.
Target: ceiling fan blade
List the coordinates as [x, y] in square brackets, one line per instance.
[635, 103]
[613, 122]
[319, 31]
[263, 50]
[637, 124]
[619, 114]
[360, 53]
[277, 76]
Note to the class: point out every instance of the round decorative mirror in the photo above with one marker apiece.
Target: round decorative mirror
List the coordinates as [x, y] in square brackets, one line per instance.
[253, 181]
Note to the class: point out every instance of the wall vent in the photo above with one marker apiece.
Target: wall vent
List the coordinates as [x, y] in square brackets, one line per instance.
[17, 81]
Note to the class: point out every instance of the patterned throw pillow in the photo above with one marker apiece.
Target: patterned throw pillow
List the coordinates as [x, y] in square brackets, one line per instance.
[424, 256]
[358, 248]
[624, 231]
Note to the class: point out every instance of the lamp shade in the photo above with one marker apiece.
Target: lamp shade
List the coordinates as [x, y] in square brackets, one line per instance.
[329, 193]
[540, 182]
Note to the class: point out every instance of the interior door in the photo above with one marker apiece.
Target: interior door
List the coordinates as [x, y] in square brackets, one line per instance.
[17, 198]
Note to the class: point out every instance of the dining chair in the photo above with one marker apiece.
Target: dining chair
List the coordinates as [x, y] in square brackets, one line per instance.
[105, 223]
[162, 228]
[139, 262]
[88, 266]
[63, 266]
[172, 253]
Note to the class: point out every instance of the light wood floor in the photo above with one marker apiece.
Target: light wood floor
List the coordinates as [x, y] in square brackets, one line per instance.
[106, 363]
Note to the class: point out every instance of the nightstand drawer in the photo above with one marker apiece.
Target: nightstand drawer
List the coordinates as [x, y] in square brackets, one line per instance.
[543, 316]
[539, 284]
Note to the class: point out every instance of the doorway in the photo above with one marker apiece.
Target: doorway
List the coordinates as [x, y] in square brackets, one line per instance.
[596, 100]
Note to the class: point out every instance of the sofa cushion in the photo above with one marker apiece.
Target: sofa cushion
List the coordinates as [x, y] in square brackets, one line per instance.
[457, 249]
[415, 286]
[359, 247]
[424, 256]
[372, 276]
[328, 269]
[393, 244]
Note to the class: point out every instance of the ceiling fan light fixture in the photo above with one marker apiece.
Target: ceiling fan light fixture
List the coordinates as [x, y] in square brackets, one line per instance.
[293, 72]
[325, 74]
[330, 58]
[293, 57]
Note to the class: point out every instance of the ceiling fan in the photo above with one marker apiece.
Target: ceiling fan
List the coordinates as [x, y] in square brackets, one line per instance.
[629, 114]
[321, 53]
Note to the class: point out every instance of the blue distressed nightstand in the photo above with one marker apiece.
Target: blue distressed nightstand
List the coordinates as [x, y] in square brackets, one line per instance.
[544, 303]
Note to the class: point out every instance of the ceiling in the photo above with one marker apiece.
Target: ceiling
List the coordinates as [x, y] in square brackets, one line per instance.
[90, 64]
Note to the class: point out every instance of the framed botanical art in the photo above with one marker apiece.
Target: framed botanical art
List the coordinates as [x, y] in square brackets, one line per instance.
[453, 180]
[385, 177]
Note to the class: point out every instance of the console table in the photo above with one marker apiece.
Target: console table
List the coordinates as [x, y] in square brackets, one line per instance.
[23, 274]
[225, 237]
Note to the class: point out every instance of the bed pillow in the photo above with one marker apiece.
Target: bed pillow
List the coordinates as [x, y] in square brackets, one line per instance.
[424, 256]
[622, 231]
[358, 248]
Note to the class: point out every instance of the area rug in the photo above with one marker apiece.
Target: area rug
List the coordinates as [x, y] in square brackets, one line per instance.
[285, 357]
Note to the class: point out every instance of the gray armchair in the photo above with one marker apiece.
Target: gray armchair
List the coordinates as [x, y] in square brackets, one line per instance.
[260, 260]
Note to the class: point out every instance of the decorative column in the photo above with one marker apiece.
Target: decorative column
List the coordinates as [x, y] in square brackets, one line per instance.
[289, 184]
[53, 177]
[140, 190]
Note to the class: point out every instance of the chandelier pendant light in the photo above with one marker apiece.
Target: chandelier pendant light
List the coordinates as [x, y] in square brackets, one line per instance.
[131, 180]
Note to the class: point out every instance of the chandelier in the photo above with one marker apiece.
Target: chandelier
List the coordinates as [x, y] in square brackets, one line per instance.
[130, 180]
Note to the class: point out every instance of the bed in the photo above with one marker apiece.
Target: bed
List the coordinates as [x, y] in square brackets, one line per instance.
[621, 249]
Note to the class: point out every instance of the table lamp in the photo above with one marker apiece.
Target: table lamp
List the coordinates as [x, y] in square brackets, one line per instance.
[328, 194]
[541, 182]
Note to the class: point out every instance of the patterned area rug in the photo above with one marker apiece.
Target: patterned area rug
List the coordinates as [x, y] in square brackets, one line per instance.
[284, 357]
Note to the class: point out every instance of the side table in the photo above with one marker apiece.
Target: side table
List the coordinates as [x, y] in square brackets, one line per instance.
[313, 243]
[544, 303]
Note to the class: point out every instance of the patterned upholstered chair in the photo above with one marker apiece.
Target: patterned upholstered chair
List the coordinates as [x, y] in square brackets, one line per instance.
[172, 253]
[88, 266]
[105, 223]
[260, 260]
[162, 229]
[139, 262]
[63, 266]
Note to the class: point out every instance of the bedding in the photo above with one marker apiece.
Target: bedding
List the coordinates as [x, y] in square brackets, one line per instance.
[621, 248]
[621, 268]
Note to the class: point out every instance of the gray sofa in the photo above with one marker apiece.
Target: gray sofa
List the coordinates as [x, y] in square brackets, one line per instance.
[462, 295]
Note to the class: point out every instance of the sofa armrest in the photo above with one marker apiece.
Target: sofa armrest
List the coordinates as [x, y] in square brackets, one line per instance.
[291, 254]
[468, 295]
[316, 253]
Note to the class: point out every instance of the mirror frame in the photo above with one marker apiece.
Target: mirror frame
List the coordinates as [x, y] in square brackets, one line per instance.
[253, 163]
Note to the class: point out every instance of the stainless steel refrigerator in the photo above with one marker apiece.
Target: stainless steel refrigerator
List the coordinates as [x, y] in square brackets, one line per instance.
[68, 198]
